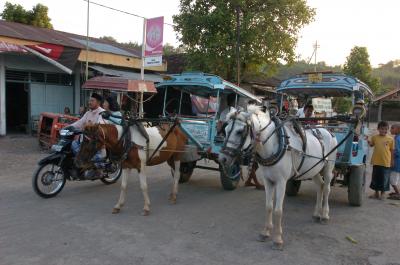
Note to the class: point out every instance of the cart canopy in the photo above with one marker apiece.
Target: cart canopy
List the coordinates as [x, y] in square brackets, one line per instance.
[203, 85]
[324, 85]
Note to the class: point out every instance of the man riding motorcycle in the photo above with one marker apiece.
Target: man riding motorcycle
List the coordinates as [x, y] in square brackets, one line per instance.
[92, 116]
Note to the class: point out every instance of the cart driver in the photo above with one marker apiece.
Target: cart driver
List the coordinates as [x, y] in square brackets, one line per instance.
[230, 100]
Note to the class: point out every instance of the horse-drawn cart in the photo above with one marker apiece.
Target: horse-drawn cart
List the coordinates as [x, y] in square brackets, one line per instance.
[178, 93]
[349, 129]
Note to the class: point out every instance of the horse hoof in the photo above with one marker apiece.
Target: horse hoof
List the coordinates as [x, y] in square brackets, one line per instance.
[316, 219]
[324, 221]
[172, 201]
[262, 238]
[277, 246]
[115, 210]
[146, 212]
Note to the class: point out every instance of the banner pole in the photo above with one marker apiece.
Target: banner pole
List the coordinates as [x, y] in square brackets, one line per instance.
[143, 48]
[87, 42]
[142, 68]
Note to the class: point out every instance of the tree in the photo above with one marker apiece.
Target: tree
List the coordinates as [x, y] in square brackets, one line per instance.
[15, 13]
[38, 16]
[168, 49]
[268, 32]
[358, 65]
[109, 38]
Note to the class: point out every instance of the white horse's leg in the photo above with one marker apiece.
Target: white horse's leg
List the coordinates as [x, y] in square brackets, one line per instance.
[328, 175]
[122, 195]
[143, 187]
[280, 188]
[269, 204]
[318, 204]
[176, 177]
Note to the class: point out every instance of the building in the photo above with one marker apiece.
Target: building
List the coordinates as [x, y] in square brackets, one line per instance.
[42, 70]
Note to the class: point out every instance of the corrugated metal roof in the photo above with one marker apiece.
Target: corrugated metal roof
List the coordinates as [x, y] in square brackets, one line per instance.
[31, 33]
[105, 47]
[126, 74]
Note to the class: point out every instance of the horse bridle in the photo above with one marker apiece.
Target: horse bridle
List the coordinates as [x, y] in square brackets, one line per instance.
[235, 152]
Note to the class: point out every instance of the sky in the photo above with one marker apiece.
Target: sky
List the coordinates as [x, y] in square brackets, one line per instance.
[338, 25]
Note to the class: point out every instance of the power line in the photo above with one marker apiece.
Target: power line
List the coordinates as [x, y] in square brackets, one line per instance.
[122, 11]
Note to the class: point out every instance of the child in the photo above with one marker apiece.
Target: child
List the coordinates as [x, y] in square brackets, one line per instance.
[381, 160]
[395, 170]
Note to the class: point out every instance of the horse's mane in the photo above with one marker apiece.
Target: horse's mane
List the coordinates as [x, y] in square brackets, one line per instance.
[254, 109]
[92, 129]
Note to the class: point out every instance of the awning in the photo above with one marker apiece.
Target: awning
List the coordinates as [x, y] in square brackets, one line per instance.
[126, 74]
[9, 47]
[63, 58]
[119, 84]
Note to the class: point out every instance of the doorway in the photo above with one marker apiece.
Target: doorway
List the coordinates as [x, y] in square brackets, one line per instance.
[17, 107]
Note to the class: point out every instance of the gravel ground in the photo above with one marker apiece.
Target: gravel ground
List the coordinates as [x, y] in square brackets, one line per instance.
[206, 226]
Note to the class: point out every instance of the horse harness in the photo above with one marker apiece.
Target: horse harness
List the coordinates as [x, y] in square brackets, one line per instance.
[283, 143]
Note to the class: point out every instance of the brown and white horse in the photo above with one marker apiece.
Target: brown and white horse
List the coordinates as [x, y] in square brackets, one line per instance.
[99, 136]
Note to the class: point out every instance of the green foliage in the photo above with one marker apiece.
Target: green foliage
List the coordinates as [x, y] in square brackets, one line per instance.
[285, 71]
[389, 74]
[38, 16]
[168, 48]
[268, 33]
[342, 105]
[358, 65]
[109, 38]
[15, 13]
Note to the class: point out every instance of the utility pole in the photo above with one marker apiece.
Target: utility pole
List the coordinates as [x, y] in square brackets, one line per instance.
[87, 42]
[316, 46]
[238, 45]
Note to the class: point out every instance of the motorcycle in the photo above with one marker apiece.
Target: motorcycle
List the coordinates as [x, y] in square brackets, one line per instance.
[54, 170]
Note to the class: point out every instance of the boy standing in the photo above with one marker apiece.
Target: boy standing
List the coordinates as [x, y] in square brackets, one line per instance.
[395, 170]
[381, 160]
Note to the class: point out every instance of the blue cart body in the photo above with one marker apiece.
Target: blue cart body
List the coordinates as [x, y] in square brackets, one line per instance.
[202, 131]
[354, 150]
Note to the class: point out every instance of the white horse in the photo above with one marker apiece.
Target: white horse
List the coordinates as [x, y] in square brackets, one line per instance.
[275, 176]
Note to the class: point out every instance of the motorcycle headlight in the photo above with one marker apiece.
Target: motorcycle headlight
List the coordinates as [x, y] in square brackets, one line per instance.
[56, 148]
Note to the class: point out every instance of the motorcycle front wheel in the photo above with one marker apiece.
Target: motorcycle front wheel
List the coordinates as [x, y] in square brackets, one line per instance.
[48, 180]
[113, 175]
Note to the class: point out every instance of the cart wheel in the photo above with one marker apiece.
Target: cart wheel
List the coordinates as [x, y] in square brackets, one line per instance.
[292, 187]
[186, 170]
[356, 185]
[230, 177]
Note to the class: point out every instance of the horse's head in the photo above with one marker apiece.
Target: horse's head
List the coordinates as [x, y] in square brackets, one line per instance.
[241, 128]
[93, 141]
[237, 137]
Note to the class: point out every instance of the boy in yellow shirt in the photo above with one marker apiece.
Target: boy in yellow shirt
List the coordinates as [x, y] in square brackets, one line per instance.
[381, 160]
